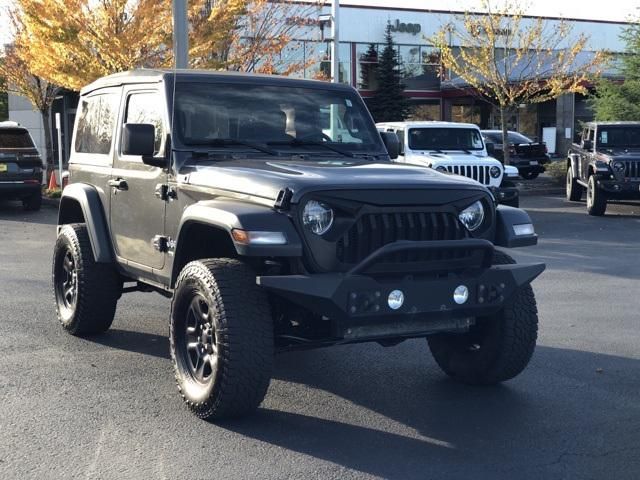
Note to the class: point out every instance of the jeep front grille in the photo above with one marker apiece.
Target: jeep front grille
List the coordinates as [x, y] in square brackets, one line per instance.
[373, 230]
[632, 169]
[480, 173]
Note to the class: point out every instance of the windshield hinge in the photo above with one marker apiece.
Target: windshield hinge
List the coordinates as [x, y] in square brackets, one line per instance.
[165, 192]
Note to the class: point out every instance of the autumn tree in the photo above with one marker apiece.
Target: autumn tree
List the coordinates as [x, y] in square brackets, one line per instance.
[250, 35]
[388, 103]
[509, 60]
[72, 43]
[20, 80]
[620, 100]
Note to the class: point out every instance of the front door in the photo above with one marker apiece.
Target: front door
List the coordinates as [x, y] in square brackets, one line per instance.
[137, 214]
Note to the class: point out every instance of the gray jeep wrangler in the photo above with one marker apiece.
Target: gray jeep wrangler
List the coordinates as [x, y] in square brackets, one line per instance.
[268, 209]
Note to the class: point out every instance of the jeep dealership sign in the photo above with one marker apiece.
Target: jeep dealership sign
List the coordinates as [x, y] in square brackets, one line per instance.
[412, 28]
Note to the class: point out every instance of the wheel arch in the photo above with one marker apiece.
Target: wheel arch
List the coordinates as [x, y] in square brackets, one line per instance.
[80, 203]
[205, 232]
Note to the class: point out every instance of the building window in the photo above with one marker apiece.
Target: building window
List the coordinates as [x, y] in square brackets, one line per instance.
[420, 67]
[423, 110]
[367, 64]
[321, 70]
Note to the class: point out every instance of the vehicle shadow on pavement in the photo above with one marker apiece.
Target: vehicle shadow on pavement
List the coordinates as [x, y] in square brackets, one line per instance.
[13, 212]
[132, 341]
[530, 422]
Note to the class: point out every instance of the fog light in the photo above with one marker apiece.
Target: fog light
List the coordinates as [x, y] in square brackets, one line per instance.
[461, 294]
[523, 229]
[395, 299]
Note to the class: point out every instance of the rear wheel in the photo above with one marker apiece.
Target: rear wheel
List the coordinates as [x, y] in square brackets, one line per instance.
[529, 175]
[496, 348]
[221, 338]
[574, 189]
[33, 202]
[596, 198]
[86, 292]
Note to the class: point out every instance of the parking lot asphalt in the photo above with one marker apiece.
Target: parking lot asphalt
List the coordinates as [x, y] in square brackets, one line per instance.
[107, 407]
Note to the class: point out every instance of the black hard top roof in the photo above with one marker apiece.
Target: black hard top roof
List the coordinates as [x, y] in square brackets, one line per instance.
[188, 75]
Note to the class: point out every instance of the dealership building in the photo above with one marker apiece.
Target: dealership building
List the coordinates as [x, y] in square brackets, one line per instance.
[434, 96]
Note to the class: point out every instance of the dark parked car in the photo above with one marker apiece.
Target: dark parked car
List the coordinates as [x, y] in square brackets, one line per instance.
[20, 166]
[223, 192]
[528, 156]
[606, 162]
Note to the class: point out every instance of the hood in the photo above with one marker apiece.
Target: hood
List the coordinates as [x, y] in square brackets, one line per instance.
[266, 178]
[621, 153]
[454, 157]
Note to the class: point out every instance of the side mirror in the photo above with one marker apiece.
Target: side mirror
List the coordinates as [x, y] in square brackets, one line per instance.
[391, 143]
[491, 148]
[587, 145]
[140, 139]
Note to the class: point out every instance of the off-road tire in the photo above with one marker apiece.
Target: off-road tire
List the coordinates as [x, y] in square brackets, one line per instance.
[97, 285]
[530, 175]
[33, 202]
[242, 333]
[574, 189]
[596, 198]
[496, 348]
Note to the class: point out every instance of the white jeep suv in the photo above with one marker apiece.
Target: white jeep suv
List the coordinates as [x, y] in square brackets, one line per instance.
[456, 148]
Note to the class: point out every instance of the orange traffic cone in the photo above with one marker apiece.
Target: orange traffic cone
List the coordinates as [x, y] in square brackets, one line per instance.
[53, 185]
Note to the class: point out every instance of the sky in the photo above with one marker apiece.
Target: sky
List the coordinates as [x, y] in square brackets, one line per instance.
[610, 10]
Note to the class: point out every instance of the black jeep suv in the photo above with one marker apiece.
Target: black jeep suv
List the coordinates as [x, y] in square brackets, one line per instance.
[20, 166]
[269, 210]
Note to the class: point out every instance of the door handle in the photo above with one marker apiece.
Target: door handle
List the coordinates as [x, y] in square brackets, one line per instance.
[118, 184]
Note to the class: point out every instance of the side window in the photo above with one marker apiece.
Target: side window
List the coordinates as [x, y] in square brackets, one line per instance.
[146, 108]
[96, 121]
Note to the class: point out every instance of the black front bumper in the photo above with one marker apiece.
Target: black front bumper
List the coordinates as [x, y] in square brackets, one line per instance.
[357, 304]
[620, 189]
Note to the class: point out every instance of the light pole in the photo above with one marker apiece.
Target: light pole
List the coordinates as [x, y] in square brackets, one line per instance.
[180, 34]
[335, 44]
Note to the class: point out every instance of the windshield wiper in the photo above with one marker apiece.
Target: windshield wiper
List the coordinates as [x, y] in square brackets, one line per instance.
[303, 143]
[222, 142]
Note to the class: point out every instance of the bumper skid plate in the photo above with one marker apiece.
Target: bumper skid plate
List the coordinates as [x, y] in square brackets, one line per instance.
[359, 304]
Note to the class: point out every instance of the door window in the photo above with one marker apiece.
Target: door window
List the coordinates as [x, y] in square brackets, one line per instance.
[145, 107]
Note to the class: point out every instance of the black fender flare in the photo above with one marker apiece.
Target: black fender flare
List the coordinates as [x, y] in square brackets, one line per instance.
[228, 215]
[506, 218]
[87, 197]
[573, 161]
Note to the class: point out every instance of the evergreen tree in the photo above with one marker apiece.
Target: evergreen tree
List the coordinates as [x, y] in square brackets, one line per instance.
[621, 101]
[388, 103]
[368, 67]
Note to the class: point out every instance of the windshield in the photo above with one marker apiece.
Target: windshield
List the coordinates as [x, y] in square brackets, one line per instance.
[15, 138]
[445, 139]
[285, 118]
[609, 137]
[513, 138]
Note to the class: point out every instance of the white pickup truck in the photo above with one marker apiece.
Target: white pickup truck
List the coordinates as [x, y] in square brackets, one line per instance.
[456, 148]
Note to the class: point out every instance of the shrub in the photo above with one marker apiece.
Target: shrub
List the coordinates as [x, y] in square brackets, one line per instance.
[557, 170]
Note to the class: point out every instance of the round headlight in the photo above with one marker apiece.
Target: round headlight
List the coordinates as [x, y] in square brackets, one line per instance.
[442, 169]
[317, 217]
[618, 166]
[494, 172]
[472, 216]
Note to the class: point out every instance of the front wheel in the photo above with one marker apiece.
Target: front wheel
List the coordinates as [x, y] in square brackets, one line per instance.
[221, 338]
[496, 348]
[596, 198]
